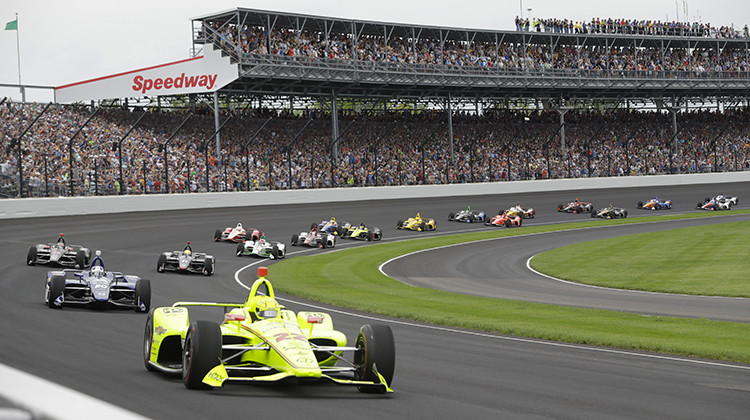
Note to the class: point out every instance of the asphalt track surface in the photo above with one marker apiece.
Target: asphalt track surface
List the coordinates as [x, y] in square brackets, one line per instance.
[440, 373]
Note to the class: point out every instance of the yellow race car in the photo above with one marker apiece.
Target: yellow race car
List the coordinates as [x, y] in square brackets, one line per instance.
[417, 223]
[261, 342]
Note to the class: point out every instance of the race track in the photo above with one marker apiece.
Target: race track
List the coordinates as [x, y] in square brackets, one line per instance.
[440, 373]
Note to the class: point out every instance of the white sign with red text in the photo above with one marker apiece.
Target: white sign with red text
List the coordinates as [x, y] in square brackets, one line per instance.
[202, 74]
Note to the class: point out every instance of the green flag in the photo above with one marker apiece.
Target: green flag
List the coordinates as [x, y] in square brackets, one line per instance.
[12, 25]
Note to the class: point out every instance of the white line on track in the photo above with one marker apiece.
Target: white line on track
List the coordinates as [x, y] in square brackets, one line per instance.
[493, 336]
[572, 283]
[528, 266]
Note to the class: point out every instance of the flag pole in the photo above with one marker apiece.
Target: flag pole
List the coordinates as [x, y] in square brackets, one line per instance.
[18, 54]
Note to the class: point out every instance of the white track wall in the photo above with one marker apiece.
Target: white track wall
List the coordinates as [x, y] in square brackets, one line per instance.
[63, 206]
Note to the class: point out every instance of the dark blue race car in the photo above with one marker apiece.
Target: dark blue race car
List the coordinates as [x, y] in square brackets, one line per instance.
[97, 287]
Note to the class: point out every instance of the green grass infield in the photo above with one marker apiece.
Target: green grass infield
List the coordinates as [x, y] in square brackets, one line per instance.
[350, 278]
[705, 260]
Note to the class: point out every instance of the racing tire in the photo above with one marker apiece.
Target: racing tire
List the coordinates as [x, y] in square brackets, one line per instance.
[520, 221]
[240, 248]
[451, 216]
[323, 243]
[368, 235]
[31, 256]
[400, 224]
[560, 207]
[624, 214]
[699, 205]
[507, 223]
[295, 239]
[217, 235]
[148, 339]
[161, 264]
[275, 252]
[202, 352]
[142, 296]
[208, 266]
[376, 352]
[81, 259]
[593, 213]
[422, 227]
[56, 290]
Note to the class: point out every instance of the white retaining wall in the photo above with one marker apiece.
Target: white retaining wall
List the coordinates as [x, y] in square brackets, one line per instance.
[61, 206]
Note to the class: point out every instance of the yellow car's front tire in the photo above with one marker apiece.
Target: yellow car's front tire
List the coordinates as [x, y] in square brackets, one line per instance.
[201, 353]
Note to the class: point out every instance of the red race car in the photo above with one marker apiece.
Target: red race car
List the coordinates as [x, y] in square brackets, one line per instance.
[505, 219]
[236, 234]
[576, 207]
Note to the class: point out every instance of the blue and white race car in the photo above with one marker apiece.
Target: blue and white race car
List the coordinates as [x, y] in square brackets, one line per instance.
[97, 287]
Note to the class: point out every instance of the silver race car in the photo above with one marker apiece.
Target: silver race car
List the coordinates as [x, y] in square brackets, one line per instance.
[59, 253]
[186, 261]
[609, 212]
[262, 248]
[468, 215]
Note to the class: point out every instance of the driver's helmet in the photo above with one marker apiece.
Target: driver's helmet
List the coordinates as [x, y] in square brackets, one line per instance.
[333, 220]
[418, 217]
[263, 307]
[188, 250]
[239, 226]
[97, 264]
[97, 271]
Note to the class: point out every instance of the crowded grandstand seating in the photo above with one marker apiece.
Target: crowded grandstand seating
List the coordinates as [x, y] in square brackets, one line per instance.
[495, 146]
[540, 55]
[630, 27]
[403, 146]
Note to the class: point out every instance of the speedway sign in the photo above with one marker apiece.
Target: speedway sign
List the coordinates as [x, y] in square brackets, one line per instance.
[202, 74]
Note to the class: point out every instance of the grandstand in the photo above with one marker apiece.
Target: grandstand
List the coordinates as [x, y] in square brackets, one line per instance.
[301, 101]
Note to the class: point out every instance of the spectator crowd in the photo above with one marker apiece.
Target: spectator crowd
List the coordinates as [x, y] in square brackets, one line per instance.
[630, 27]
[397, 146]
[385, 148]
[695, 61]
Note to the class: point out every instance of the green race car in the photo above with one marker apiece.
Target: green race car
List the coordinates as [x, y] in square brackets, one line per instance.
[361, 232]
[259, 341]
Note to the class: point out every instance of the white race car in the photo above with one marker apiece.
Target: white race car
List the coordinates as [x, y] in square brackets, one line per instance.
[262, 248]
[314, 238]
